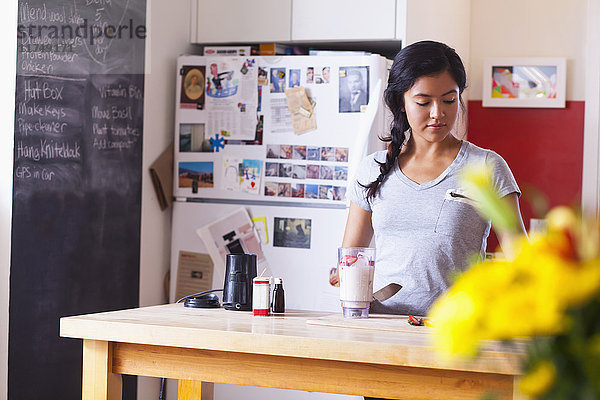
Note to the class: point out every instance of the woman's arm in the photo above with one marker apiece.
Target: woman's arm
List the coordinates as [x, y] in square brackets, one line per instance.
[506, 237]
[358, 233]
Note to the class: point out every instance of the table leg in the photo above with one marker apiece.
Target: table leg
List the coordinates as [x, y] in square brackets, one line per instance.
[99, 383]
[517, 395]
[195, 390]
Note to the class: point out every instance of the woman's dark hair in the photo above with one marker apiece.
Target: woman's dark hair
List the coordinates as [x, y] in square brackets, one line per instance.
[426, 58]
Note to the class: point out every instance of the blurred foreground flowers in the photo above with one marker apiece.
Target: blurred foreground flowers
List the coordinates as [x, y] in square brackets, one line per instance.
[549, 292]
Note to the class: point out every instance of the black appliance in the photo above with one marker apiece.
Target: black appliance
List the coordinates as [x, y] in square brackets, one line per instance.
[240, 270]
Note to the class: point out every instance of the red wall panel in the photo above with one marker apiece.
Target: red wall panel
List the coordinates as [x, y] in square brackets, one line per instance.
[542, 146]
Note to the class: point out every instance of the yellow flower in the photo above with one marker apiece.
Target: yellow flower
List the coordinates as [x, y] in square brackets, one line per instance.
[501, 300]
[573, 236]
[561, 218]
[539, 379]
[455, 324]
[527, 296]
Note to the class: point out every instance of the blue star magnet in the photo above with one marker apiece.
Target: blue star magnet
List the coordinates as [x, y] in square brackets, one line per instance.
[216, 143]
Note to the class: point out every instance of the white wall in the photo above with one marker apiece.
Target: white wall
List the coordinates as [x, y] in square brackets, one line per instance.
[168, 37]
[443, 21]
[531, 28]
[448, 22]
[8, 47]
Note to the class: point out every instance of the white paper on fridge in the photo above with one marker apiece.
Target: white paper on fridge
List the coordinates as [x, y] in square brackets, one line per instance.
[232, 97]
[233, 233]
[242, 175]
[231, 174]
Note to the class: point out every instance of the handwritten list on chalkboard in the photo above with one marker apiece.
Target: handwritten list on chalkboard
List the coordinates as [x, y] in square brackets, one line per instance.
[77, 181]
[48, 134]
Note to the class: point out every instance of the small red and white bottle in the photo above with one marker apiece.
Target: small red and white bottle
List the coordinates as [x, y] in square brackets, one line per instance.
[261, 295]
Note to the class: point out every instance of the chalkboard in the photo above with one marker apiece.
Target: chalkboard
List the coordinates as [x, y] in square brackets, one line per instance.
[77, 182]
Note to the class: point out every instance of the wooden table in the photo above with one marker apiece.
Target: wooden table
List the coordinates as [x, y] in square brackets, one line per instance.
[382, 356]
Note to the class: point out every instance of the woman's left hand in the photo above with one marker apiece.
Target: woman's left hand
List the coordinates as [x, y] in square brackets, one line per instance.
[334, 279]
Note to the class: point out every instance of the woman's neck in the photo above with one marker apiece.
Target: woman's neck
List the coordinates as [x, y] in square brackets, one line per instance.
[422, 161]
[419, 148]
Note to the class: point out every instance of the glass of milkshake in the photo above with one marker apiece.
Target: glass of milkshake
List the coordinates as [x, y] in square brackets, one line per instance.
[355, 267]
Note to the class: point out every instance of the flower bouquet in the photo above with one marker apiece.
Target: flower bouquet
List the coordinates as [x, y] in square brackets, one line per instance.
[547, 293]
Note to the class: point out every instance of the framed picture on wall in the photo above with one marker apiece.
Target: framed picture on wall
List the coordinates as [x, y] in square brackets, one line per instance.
[524, 82]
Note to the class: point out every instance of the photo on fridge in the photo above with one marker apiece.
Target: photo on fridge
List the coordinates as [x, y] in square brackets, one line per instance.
[299, 153]
[323, 75]
[192, 87]
[313, 153]
[285, 151]
[326, 192]
[294, 78]
[312, 171]
[311, 192]
[327, 153]
[272, 151]
[271, 189]
[339, 193]
[299, 171]
[192, 139]
[326, 172]
[263, 80]
[310, 75]
[292, 232]
[341, 154]
[298, 190]
[196, 175]
[221, 82]
[277, 80]
[271, 169]
[285, 170]
[250, 174]
[353, 89]
[340, 173]
[284, 190]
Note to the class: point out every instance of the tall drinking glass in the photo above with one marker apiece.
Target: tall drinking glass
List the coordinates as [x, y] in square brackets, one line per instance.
[356, 266]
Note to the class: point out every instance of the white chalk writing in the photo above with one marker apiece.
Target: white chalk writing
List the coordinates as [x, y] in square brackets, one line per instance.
[48, 150]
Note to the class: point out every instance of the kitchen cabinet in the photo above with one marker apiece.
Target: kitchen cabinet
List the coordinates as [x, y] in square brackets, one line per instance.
[235, 21]
[343, 20]
[253, 21]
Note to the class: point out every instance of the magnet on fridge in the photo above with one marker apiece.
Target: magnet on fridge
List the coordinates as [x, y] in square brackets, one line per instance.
[217, 143]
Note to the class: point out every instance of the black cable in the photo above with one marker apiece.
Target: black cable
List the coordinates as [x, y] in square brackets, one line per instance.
[161, 394]
[198, 294]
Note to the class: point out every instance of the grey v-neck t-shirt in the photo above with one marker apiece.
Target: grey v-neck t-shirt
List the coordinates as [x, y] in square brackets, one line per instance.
[425, 234]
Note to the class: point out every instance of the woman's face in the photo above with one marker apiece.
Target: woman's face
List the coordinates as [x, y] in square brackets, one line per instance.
[431, 106]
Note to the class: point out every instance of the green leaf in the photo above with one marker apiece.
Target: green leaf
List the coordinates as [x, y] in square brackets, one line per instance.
[477, 183]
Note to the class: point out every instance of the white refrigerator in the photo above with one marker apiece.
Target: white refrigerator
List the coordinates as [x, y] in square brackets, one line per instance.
[264, 149]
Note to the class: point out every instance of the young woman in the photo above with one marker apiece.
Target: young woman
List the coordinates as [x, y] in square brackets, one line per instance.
[409, 198]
